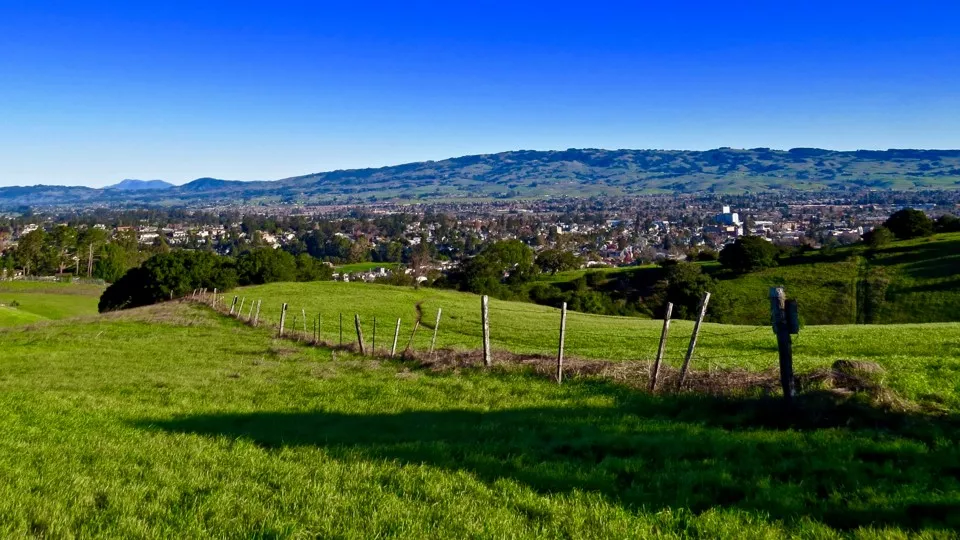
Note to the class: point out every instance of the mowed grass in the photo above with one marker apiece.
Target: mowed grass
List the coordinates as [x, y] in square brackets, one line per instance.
[38, 301]
[170, 421]
[922, 361]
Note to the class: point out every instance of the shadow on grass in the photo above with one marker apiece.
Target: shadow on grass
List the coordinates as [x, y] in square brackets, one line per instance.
[836, 461]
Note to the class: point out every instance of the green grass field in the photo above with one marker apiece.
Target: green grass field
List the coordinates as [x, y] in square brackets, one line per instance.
[39, 301]
[922, 361]
[173, 421]
[364, 267]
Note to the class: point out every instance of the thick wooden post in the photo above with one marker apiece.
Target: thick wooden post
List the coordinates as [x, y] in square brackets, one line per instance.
[778, 312]
[283, 318]
[213, 302]
[436, 325]
[233, 306]
[256, 317]
[240, 309]
[303, 314]
[701, 312]
[396, 336]
[563, 333]
[655, 372]
[250, 311]
[485, 322]
[356, 321]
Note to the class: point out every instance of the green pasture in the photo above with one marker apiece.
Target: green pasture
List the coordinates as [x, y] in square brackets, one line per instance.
[171, 421]
[922, 361]
[24, 302]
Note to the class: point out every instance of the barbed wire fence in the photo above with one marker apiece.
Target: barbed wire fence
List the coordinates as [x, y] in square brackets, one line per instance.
[557, 343]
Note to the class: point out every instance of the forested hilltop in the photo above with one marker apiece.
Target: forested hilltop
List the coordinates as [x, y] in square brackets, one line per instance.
[536, 174]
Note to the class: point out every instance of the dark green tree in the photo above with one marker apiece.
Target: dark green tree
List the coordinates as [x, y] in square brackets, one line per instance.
[748, 254]
[266, 265]
[176, 273]
[909, 223]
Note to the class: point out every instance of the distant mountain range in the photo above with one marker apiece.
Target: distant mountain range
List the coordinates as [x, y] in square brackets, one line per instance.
[537, 174]
[141, 185]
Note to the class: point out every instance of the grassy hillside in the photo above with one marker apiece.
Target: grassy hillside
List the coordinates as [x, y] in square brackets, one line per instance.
[24, 302]
[913, 281]
[922, 360]
[171, 421]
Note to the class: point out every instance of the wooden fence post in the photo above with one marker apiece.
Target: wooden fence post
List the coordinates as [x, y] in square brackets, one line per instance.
[655, 371]
[373, 346]
[396, 336]
[563, 333]
[213, 303]
[485, 321]
[416, 325]
[256, 318]
[341, 329]
[233, 306]
[436, 325]
[778, 312]
[240, 309]
[701, 312]
[283, 317]
[250, 311]
[356, 321]
[319, 327]
[294, 327]
[303, 313]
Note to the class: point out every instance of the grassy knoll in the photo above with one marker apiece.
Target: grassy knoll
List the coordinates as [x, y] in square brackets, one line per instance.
[37, 301]
[364, 267]
[923, 361]
[171, 421]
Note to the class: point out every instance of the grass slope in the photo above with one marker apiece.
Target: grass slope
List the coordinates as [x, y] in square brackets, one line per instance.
[912, 281]
[186, 424]
[39, 301]
[923, 361]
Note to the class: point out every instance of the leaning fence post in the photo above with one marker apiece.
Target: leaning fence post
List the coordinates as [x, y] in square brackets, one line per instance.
[396, 336]
[485, 321]
[436, 325]
[563, 331]
[356, 321]
[416, 325]
[655, 371]
[778, 312]
[701, 312]
[256, 318]
[240, 309]
[233, 306]
[283, 317]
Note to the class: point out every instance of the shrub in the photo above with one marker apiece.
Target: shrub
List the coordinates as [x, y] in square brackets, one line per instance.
[878, 237]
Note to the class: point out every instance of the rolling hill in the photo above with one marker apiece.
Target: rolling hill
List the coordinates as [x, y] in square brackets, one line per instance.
[172, 420]
[536, 174]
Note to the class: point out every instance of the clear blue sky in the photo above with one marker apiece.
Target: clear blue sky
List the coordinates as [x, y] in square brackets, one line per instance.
[94, 92]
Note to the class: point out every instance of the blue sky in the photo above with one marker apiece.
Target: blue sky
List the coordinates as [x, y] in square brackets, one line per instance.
[95, 92]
